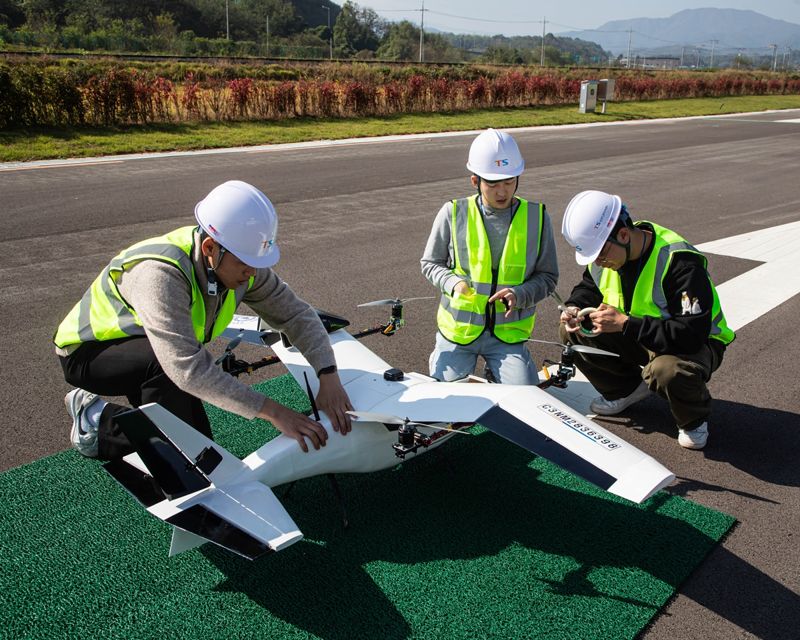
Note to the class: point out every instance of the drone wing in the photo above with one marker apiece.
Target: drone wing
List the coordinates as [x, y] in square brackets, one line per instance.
[526, 415]
[204, 491]
[360, 370]
[535, 420]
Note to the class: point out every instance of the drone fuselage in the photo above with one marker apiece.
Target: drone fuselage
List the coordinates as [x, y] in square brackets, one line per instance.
[368, 447]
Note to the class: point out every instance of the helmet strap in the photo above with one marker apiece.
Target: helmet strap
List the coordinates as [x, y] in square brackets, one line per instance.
[627, 246]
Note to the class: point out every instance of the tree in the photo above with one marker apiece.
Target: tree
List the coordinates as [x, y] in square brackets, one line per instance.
[41, 13]
[11, 13]
[401, 42]
[357, 29]
[505, 55]
[283, 18]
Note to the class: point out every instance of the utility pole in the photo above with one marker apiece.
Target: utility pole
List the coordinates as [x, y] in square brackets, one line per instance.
[785, 51]
[683, 50]
[697, 64]
[422, 32]
[713, 44]
[227, 22]
[544, 24]
[330, 33]
[630, 36]
[268, 35]
[774, 48]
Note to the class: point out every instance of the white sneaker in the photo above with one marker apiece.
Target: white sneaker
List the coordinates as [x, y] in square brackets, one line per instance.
[83, 434]
[694, 439]
[603, 407]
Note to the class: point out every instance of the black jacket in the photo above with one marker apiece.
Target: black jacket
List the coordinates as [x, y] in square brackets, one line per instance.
[680, 334]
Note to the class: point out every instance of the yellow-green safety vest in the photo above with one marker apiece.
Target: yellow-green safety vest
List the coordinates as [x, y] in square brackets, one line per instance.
[463, 318]
[103, 314]
[649, 298]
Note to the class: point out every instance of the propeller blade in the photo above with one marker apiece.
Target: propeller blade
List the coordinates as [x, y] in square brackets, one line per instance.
[580, 348]
[231, 346]
[558, 344]
[384, 418]
[448, 429]
[379, 303]
[393, 301]
[369, 416]
[419, 298]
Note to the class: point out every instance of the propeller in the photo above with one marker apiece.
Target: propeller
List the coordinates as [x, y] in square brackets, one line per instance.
[580, 348]
[385, 418]
[231, 346]
[393, 301]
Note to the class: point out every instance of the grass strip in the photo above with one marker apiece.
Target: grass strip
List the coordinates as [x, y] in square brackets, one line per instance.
[481, 540]
[48, 143]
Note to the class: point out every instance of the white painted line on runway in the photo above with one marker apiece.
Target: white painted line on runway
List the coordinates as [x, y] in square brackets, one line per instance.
[78, 163]
[792, 120]
[752, 294]
[7, 166]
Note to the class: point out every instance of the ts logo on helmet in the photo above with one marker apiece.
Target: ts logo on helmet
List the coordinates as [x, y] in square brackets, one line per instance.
[502, 162]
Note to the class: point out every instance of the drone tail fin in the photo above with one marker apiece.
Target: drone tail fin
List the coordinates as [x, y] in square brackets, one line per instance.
[194, 484]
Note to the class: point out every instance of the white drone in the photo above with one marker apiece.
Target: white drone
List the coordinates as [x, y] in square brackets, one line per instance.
[208, 494]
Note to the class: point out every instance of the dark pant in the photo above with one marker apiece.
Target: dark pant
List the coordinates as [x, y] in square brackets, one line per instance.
[128, 367]
[679, 379]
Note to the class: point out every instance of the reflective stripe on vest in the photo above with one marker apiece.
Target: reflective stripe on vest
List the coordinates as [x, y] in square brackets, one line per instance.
[649, 298]
[103, 314]
[462, 319]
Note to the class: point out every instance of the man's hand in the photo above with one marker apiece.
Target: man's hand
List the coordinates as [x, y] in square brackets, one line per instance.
[333, 400]
[462, 288]
[607, 319]
[507, 297]
[294, 424]
[569, 317]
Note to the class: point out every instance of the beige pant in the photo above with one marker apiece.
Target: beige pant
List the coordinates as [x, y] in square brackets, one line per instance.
[679, 379]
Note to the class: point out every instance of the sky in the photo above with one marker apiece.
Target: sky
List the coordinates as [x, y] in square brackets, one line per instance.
[524, 17]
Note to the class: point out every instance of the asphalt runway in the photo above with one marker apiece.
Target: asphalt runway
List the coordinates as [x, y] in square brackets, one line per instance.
[354, 219]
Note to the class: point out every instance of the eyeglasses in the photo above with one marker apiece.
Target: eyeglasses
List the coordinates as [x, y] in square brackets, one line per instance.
[601, 257]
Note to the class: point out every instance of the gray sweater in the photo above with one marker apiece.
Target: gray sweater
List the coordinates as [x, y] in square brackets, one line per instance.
[161, 296]
[438, 260]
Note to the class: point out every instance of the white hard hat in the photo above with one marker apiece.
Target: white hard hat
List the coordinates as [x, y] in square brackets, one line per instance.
[495, 156]
[588, 221]
[242, 220]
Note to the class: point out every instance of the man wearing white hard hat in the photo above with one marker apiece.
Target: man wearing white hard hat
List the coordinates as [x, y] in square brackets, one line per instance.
[639, 277]
[492, 256]
[141, 328]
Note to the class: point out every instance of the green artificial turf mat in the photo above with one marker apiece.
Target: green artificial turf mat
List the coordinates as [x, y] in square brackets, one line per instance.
[478, 539]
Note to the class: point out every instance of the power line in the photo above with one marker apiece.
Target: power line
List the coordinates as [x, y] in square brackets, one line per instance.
[450, 15]
[544, 22]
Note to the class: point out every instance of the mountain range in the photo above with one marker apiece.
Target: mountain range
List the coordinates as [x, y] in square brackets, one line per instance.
[731, 29]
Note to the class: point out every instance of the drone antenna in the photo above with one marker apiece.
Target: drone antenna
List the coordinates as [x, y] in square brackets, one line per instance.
[311, 397]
